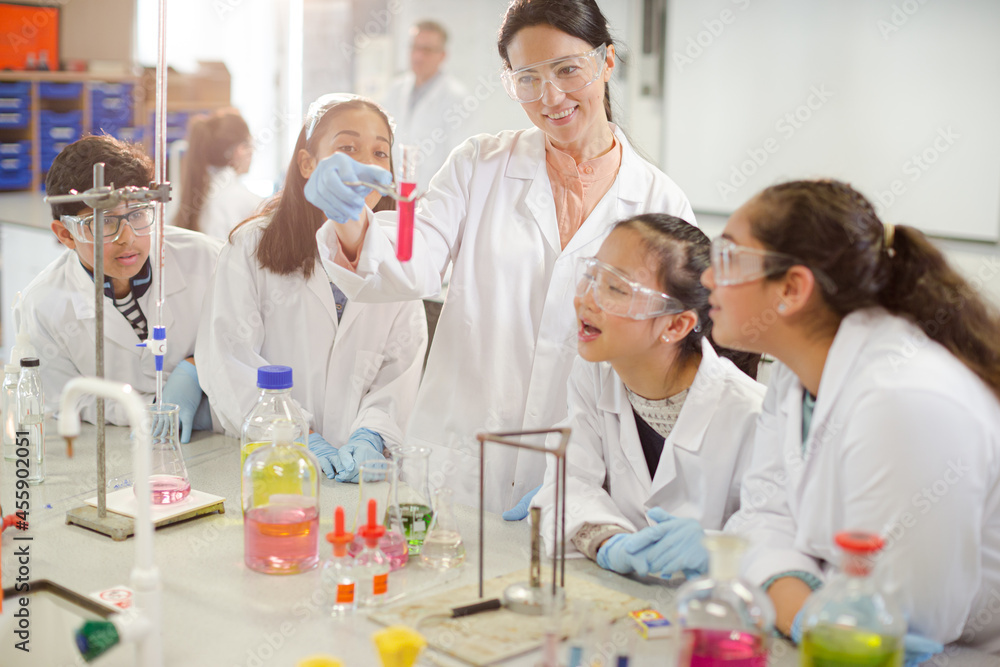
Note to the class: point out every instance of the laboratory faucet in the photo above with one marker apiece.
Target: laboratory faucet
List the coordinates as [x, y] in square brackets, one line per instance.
[141, 623]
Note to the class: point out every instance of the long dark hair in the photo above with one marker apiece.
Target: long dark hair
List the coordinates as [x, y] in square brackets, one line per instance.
[831, 227]
[682, 253]
[288, 243]
[580, 18]
[211, 143]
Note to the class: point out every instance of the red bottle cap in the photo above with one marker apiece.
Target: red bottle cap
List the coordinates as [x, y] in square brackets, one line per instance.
[372, 531]
[339, 538]
[858, 542]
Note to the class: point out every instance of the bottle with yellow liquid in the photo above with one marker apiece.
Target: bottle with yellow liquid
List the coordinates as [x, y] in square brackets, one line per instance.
[274, 402]
[849, 622]
[281, 505]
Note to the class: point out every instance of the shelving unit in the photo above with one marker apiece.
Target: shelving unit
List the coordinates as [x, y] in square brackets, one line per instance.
[42, 112]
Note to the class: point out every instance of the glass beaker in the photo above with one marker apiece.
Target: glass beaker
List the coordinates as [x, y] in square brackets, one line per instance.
[724, 620]
[443, 547]
[414, 496]
[849, 621]
[281, 505]
[168, 481]
[378, 480]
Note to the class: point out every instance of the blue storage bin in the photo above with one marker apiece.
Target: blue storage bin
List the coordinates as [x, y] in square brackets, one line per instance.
[15, 180]
[132, 134]
[48, 90]
[14, 119]
[107, 128]
[52, 118]
[61, 133]
[111, 89]
[121, 117]
[15, 89]
[15, 163]
[15, 148]
[13, 103]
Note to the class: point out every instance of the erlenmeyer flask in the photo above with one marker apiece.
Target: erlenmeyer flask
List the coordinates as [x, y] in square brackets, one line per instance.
[377, 480]
[169, 479]
[443, 547]
[414, 494]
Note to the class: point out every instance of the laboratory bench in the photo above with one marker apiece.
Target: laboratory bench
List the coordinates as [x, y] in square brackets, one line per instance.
[218, 612]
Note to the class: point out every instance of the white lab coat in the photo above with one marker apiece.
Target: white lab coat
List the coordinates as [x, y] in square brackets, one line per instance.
[58, 308]
[700, 469]
[506, 338]
[905, 442]
[227, 203]
[360, 372]
[435, 124]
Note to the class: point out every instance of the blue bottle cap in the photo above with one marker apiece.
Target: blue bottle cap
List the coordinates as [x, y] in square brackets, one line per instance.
[274, 377]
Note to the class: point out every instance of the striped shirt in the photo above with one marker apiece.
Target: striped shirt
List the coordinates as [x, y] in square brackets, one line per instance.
[129, 307]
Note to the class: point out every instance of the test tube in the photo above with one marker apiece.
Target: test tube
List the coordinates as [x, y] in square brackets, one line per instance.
[407, 184]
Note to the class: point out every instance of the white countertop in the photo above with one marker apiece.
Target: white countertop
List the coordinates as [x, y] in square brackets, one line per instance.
[216, 611]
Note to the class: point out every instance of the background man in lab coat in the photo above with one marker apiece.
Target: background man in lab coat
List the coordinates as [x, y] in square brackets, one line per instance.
[426, 102]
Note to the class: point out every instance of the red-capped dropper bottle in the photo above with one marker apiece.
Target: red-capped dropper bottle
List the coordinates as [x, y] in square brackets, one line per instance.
[372, 564]
[340, 571]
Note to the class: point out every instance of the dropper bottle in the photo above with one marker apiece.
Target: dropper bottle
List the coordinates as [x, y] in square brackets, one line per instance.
[340, 570]
[372, 563]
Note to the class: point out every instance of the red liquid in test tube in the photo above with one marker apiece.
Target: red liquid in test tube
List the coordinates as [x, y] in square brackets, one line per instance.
[406, 209]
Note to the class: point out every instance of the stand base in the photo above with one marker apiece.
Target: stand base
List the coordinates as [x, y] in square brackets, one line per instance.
[119, 527]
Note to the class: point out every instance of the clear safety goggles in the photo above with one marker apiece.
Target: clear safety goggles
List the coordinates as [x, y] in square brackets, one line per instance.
[614, 293]
[139, 217]
[735, 264]
[567, 75]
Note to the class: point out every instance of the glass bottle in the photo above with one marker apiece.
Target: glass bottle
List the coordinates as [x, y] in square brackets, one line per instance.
[377, 481]
[8, 408]
[169, 479]
[30, 419]
[849, 621]
[274, 402]
[414, 496]
[372, 563]
[443, 547]
[281, 505]
[723, 620]
[340, 571]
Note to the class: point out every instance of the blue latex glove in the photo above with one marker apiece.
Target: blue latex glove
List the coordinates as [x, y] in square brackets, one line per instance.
[364, 445]
[625, 553]
[329, 457]
[520, 510]
[183, 389]
[917, 648]
[679, 549]
[326, 191]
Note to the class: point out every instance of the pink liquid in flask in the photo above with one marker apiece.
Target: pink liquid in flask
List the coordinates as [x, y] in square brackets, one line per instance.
[281, 539]
[168, 489]
[725, 648]
[392, 545]
[404, 241]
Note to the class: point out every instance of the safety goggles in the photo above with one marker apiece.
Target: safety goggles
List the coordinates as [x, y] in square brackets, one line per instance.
[139, 217]
[567, 75]
[614, 293]
[735, 264]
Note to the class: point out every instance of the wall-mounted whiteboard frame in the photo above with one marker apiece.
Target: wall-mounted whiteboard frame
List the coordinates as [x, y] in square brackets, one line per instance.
[899, 97]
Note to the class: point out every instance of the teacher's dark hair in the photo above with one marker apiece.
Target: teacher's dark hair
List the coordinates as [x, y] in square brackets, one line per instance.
[580, 18]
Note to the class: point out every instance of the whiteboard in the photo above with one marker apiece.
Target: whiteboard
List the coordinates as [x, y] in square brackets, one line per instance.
[901, 98]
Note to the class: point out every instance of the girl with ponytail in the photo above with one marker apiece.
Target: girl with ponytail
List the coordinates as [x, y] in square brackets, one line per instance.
[213, 199]
[883, 414]
[662, 420]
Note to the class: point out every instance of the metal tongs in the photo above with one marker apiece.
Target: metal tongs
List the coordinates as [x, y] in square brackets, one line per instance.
[387, 191]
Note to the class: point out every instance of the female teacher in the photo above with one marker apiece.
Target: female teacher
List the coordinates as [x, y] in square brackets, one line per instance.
[511, 213]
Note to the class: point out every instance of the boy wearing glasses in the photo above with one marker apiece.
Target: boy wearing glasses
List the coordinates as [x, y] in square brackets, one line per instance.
[57, 307]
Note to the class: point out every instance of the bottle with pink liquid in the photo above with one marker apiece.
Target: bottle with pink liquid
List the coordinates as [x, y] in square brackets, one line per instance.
[723, 620]
[378, 481]
[281, 505]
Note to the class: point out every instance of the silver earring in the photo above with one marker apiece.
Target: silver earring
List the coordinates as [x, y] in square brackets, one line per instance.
[665, 339]
[781, 307]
